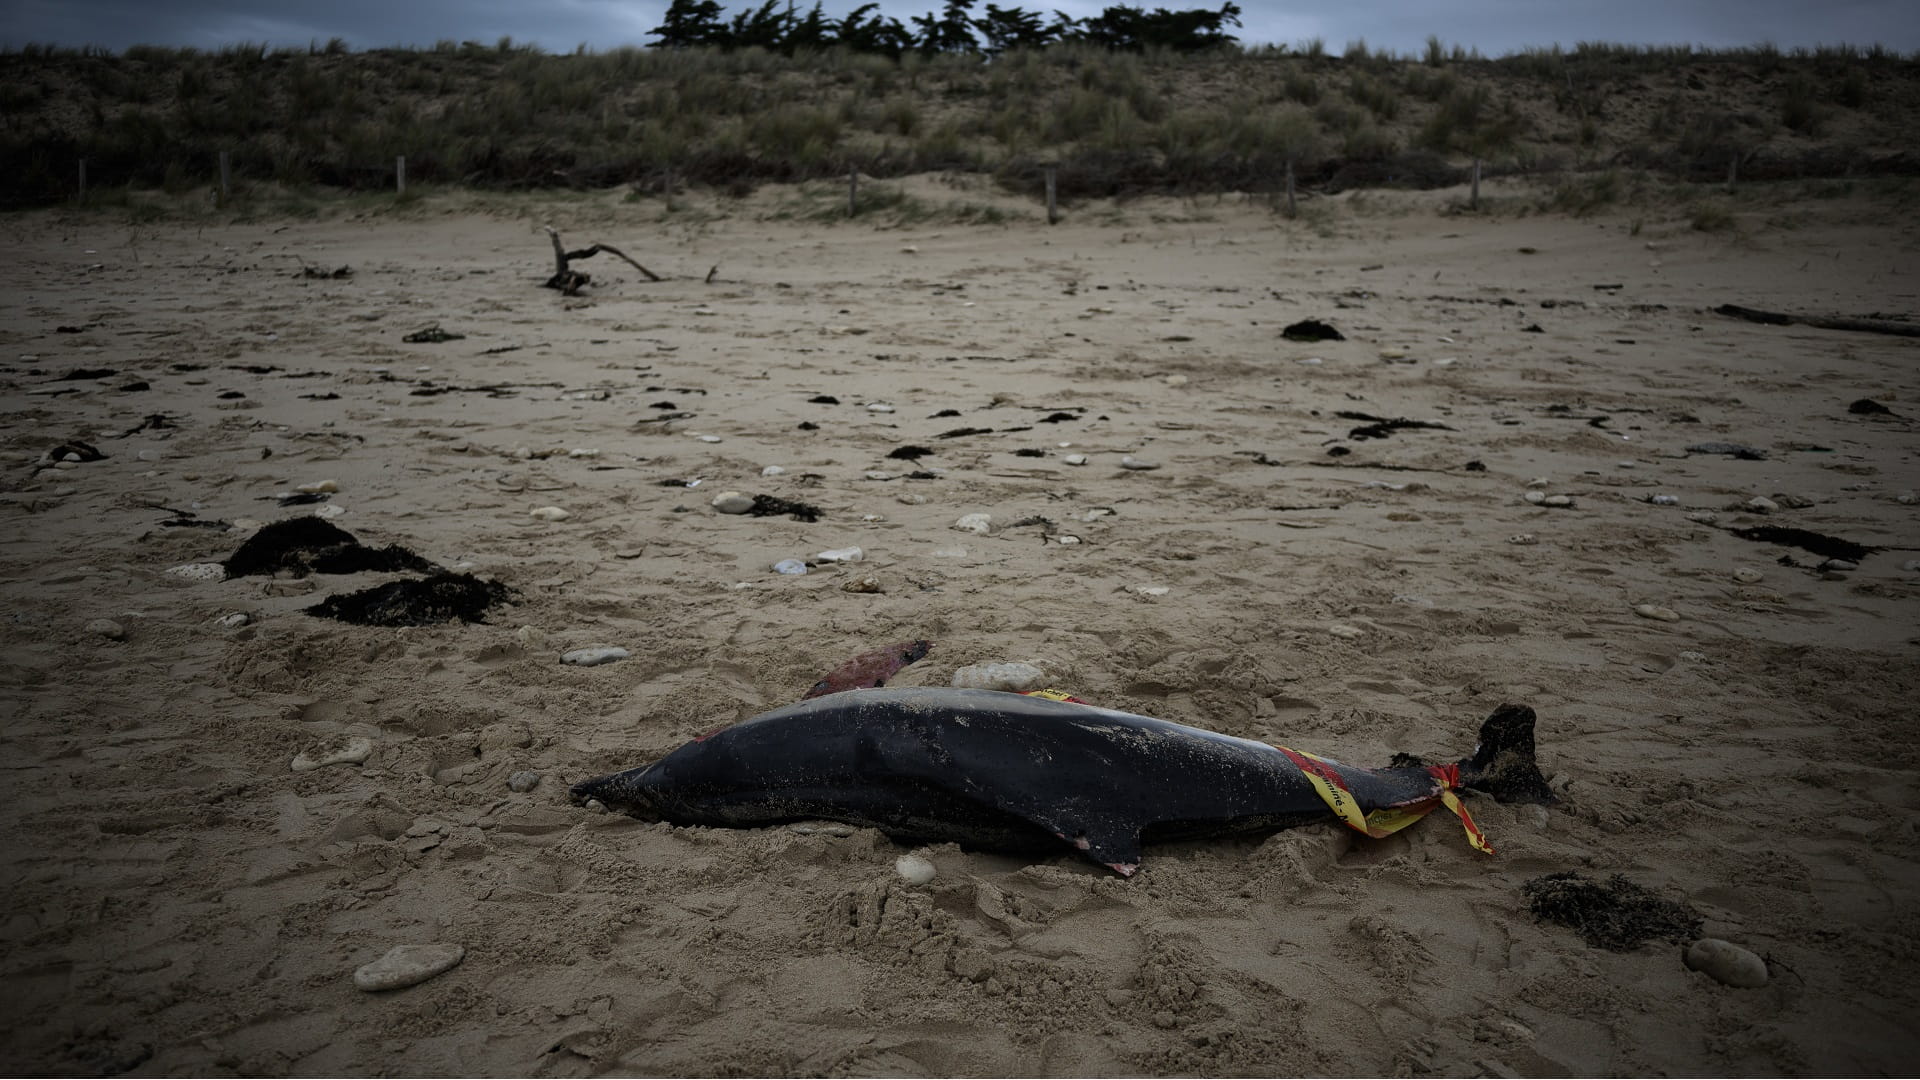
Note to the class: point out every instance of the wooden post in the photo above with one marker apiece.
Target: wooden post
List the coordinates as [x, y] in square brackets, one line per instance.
[400, 175]
[83, 181]
[1053, 209]
[226, 186]
[1473, 200]
[1293, 210]
[853, 189]
[666, 189]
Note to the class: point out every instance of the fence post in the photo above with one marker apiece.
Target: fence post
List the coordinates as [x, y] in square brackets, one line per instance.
[666, 189]
[400, 175]
[83, 181]
[1473, 200]
[1293, 210]
[1053, 210]
[853, 189]
[226, 186]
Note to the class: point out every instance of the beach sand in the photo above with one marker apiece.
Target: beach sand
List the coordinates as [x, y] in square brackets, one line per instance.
[179, 901]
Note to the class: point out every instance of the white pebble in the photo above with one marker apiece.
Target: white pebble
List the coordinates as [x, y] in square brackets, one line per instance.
[732, 502]
[790, 566]
[1655, 611]
[108, 629]
[1839, 564]
[1535, 497]
[1134, 463]
[352, 751]
[1910, 565]
[867, 584]
[879, 407]
[331, 510]
[1075, 459]
[407, 965]
[233, 620]
[1066, 540]
[1012, 676]
[1557, 500]
[595, 656]
[199, 571]
[524, 780]
[1149, 590]
[911, 498]
[1747, 575]
[913, 869]
[1345, 631]
[974, 523]
[1664, 500]
[1538, 482]
[845, 554]
[1906, 498]
[583, 452]
[549, 513]
[318, 487]
[1175, 381]
[1727, 962]
[1703, 517]
[1523, 539]
[1760, 504]
[772, 470]
[878, 474]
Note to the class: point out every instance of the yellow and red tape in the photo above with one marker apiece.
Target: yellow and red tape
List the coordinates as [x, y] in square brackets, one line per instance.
[1386, 821]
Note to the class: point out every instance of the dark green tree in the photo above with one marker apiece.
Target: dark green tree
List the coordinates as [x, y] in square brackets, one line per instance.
[863, 31]
[766, 26]
[690, 23]
[951, 31]
[1012, 28]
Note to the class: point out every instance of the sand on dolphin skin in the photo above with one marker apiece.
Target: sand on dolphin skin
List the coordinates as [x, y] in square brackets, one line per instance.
[177, 900]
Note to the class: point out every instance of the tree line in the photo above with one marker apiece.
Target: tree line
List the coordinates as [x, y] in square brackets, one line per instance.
[778, 27]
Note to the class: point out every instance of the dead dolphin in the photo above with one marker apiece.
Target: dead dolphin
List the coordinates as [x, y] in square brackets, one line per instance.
[1009, 772]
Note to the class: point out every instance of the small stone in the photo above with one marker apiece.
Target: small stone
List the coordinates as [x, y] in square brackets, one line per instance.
[950, 553]
[1538, 482]
[199, 571]
[790, 566]
[549, 513]
[1910, 565]
[1066, 540]
[595, 656]
[1535, 497]
[1760, 504]
[732, 502]
[583, 452]
[595, 806]
[1523, 539]
[1747, 575]
[1075, 459]
[974, 523]
[773, 470]
[1840, 565]
[1134, 463]
[1664, 500]
[318, 487]
[867, 584]
[1175, 381]
[911, 498]
[914, 870]
[708, 438]
[1703, 517]
[879, 407]
[524, 780]
[66, 463]
[233, 620]
[351, 751]
[1561, 501]
[1393, 354]
[531, 637]
[520, 453]
[108, 629]
[1727, 962]
[1013, 676]
[1149, 590]
[1906, 498]
[878, 474]
[408, 965]
[1655, 611]
[331, 510]
[845, 554]
[1342, 630]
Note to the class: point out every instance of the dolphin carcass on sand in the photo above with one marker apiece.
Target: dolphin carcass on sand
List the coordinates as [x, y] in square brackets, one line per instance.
[1010, 772]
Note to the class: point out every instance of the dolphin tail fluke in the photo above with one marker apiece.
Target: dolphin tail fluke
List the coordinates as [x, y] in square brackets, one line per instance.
[1503, 764]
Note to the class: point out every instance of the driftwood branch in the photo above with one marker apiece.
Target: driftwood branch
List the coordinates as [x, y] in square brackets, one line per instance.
[570, 281]
[1824, 322]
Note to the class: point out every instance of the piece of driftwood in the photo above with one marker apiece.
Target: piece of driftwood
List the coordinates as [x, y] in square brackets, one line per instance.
[1824, 322]
[570, 281]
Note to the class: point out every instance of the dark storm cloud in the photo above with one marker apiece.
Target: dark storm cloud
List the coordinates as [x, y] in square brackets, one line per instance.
[1492, 26]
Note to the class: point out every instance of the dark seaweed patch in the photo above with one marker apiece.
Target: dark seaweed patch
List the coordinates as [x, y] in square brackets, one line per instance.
[823, 399]
[1059, 417]
[909, 453]
[416, 602]
[770, 506]
[1869, 407]
[78, 374]
[1379, 427]
[1312, 330]
[309, 545]
[1616, 915]
[963, 432]
[1831, 547]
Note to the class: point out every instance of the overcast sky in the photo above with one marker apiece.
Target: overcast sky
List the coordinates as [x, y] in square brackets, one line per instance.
[1493, 26]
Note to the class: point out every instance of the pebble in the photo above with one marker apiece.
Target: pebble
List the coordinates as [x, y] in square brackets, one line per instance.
[408, 965]
[911, 498]
[1664, 500]
[1655, 611]
[1134, 463]
[1523, 539]
[1747, 575]
[524, 780]
[1393, 354]
[708, 438]
[1175, 381]
[913, 869]
[825, 828]
[108, 629]
[1535, 497]
[879, 407]
[331, 510]
[1557, 500]
[1727, 962]
[199, 571]
[878, 474]
[233, 620]
[867, 584]
[1906, 498]
[1149, 590]
[1075, 459]
[1910, 565]
[1013, 676]
[1703, 517]
[1345, 631]
[1066, 540]
[773, 470]
[583, 452]
[1760, 504]
[1538, 482]
[950, 553]
[845, 554]
[549, 513]
[595, 656]
[352, 751]
[790, 566]
[974, 523]
[595, 806]
[318, 487]
[732, 502]
[1839, 564]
